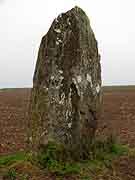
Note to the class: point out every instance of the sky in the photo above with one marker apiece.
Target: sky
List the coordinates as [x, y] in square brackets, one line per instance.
[24, 22]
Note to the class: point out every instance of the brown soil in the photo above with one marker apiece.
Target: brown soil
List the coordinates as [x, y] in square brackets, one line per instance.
[118, 114]
[13, 108]
[121, 169]
[118, 118]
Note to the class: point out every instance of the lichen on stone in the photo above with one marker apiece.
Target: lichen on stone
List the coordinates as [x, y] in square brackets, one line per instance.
[79, 79]
[89, 79]
[69, 125]
[98, 88]
[57, 30]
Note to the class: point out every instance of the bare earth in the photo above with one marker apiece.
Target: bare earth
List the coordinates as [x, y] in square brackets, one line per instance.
[13, 122]
[118, 118]
[118, 113]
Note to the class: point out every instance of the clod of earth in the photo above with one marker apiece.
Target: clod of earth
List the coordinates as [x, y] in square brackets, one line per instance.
[66, 94]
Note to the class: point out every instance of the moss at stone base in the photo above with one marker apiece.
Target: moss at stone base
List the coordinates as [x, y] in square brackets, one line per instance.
[52, 151]
[59, 152]
[54, 159]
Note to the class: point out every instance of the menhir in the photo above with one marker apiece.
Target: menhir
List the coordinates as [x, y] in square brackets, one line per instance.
[66, 94]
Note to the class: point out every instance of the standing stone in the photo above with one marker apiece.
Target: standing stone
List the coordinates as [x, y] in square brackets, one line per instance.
[65, 98]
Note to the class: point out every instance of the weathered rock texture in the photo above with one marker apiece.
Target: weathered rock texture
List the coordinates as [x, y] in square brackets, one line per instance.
[65, 97]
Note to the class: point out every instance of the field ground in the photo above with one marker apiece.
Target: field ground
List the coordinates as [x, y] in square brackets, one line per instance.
[118, 118]
[118, 113]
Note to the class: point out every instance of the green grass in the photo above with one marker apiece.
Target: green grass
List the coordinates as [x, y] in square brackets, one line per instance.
[10, 159]
[11, 174]
[101, 155]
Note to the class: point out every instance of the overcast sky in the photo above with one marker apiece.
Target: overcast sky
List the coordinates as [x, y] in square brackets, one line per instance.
[24, 22]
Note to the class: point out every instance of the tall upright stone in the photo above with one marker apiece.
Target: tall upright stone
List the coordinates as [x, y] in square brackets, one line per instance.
[66, 96]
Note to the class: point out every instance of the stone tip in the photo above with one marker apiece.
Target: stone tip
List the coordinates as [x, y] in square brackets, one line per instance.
[77, 9]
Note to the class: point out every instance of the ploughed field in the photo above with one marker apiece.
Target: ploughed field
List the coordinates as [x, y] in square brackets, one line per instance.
[117, 118]
[13, 122]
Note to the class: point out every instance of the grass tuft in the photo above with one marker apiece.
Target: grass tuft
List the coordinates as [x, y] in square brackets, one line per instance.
[10, 159]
